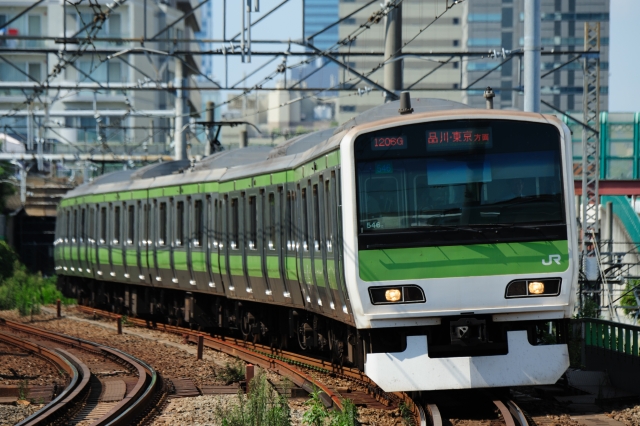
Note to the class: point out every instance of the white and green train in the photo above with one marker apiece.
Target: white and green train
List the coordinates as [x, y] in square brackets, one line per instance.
[434, 250]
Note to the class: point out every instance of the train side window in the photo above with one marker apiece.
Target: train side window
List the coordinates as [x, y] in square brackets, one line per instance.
[144, 235]
[198, 213]
[233, 226]
[271, 244]
[67, 232]
[290, 220]
[90, 225]
[317, 244]
[116, 225]
[328, 223]
[163, 224]
[180, 223]
[305, 220]
[213, 220]
[83, 225]
[253, 223]
[103, 225]
[131, 223]
[218, 223]
[74, 226]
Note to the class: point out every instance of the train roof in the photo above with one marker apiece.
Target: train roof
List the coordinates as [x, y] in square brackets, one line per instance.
[228, 165]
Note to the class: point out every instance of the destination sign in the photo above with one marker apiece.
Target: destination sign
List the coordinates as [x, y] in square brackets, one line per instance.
[459, 139]
[388, 142]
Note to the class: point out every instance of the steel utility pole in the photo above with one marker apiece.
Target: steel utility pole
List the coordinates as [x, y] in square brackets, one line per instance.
[392, 46]
[591, 136]
[532, 50]
[179, 134]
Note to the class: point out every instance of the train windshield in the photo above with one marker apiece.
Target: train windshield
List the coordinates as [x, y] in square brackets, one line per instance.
[458, 182]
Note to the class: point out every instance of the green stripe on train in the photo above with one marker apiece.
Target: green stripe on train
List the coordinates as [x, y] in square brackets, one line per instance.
[463, 261]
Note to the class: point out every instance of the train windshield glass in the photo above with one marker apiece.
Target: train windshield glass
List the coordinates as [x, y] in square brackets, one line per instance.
[459, 181]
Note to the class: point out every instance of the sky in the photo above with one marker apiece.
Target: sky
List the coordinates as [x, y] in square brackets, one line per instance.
[624, 56]
[286, 23]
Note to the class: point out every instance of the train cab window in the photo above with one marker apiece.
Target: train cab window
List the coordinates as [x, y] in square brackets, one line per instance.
[103, 225]
[328, 222]
[253, 223]
[198, 225]
[305, 220]
[234, 225]
[316, 219]
[163, 224]
[131, 223]
[116, 225]
[180, 223]
[271, 244]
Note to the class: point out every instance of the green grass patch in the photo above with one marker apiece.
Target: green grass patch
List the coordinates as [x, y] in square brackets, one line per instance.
[263, 406]
[27, 292]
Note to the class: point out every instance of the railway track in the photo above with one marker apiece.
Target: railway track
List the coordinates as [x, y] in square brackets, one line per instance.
[479, 410]
[296, 367]
[85, 401]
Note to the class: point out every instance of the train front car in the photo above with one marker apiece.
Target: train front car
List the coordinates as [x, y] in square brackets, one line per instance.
[460, 247]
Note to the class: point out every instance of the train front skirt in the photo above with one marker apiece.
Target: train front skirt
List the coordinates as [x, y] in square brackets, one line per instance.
[413, 370]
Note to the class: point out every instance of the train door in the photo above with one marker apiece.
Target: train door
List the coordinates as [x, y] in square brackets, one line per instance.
[142, 238]
[118, 247]
[230, 239]
[296, 291]
[131, 265]
[196, 257]
[332, 257]
[321, 248]
[253, 266]
[305, 273]
[339, 255]
[262, 284]
[162, 261]
[272, 250]
[101, 241]
[214, 243]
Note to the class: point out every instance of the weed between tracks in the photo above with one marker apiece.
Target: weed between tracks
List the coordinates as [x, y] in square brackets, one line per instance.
[263, 406]
[231, 372]
[318, 415]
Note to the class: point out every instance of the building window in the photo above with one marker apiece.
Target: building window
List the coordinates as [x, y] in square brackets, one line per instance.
[456, 21]
[349, 21]
[485, 17]
[347, 108]
[456, 43]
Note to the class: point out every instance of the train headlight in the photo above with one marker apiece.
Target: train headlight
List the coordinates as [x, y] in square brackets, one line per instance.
[393, 295]
[396, 294]
[536, 287]
[533, 288]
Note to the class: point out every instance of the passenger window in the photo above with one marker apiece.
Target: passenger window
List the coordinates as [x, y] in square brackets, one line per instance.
[316, 219]
[145, 225]
[75, 226]
[116, 225]
[131, 224]
[198, 237]
[180, 223]
[83, 225]
[253, 223]
[305, 224]
[163, 224]
[272, 222]
[290, 215]
[328, 222]
[233, 225]
[90, 228]
[68, 230]
[103, 225]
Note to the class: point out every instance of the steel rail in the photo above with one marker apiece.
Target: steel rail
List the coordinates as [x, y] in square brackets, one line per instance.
[135, 401]
[74, 391]
[275, 357]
